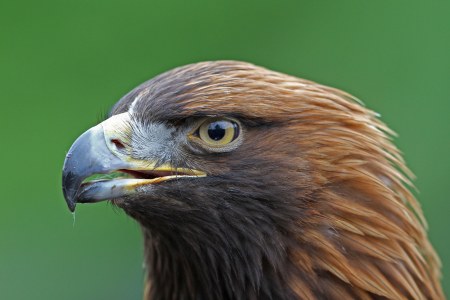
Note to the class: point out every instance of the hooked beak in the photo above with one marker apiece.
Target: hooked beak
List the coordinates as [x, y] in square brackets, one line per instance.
[100, 150]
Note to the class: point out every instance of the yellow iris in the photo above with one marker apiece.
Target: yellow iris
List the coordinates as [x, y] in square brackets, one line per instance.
[219, 132]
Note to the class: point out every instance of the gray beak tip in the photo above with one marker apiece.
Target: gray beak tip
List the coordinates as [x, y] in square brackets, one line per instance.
[70, 189]
[71, 206]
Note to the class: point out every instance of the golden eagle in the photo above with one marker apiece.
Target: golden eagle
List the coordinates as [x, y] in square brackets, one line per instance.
[252, 184]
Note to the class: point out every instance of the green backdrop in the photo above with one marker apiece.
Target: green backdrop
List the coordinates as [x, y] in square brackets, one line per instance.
[64, 63]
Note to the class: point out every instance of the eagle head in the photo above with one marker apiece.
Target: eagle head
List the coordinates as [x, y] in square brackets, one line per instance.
[252, 184]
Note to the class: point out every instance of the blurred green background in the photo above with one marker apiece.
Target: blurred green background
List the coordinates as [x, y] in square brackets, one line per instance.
[64, 63]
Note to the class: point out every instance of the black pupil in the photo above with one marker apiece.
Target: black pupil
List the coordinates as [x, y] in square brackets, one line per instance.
[217, 130]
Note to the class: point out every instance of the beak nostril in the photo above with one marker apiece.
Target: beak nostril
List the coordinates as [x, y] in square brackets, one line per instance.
[118, 144]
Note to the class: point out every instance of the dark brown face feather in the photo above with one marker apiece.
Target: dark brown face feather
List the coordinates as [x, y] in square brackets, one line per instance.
[314, 204]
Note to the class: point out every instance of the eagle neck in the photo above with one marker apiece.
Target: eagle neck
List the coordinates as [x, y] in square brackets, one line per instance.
[180, 270]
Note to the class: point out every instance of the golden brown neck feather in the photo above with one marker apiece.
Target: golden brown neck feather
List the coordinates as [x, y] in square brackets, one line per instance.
[369, 230]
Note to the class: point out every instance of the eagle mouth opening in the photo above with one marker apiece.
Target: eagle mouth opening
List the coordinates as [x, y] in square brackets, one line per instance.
[134, 174]
[151, 174]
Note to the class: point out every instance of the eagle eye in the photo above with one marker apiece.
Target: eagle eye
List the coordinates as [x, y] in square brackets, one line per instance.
[218, 133]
